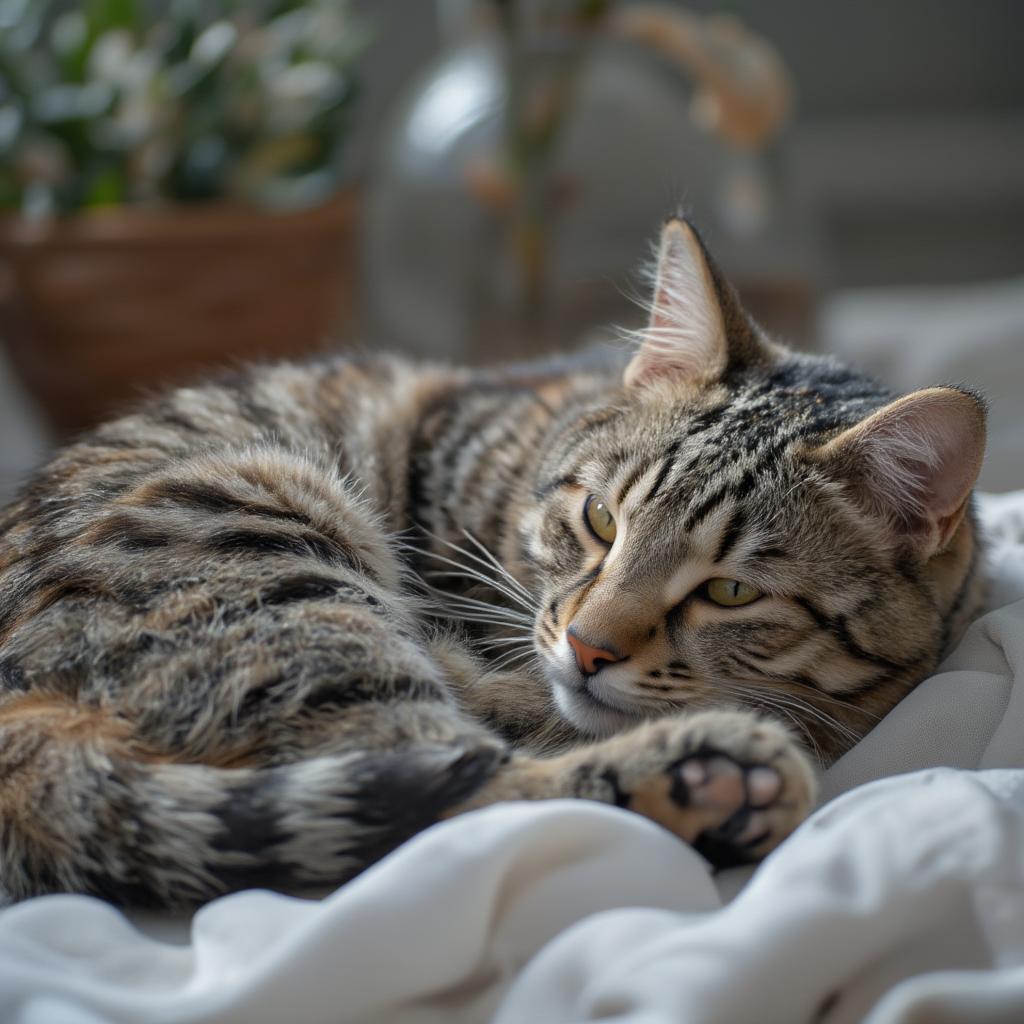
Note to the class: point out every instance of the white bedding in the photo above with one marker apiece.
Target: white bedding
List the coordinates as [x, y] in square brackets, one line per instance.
[901, 900]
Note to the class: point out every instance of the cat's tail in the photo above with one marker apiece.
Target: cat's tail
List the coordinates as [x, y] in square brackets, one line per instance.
[79, 812]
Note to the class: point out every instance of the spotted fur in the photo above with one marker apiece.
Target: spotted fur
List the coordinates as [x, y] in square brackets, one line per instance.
[262, 630]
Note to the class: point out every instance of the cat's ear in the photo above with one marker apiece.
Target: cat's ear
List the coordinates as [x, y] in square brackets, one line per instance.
[695, 317]
[915, 462]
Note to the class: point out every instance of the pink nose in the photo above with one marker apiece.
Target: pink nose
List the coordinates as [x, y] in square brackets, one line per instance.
[590, 659]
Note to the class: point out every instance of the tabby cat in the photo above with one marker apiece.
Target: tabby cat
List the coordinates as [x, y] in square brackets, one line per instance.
[261, 631]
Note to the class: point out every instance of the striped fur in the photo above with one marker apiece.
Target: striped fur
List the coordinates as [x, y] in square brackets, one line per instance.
[262, 630]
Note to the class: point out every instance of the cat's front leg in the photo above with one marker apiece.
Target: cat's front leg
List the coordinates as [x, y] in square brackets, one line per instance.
[730, 783]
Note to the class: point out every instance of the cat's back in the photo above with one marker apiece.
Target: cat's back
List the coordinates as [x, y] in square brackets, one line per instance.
[328, 407]
[180, 485]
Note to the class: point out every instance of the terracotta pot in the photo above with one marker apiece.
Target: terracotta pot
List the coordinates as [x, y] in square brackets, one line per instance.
[96, 309]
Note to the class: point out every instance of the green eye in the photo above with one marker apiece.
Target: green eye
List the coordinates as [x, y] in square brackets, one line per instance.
[599, 519]
[731, 593]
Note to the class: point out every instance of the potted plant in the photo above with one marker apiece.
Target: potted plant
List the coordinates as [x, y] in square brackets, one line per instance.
[171, 188]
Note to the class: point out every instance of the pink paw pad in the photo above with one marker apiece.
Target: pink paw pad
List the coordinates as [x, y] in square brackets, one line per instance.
[743, 792]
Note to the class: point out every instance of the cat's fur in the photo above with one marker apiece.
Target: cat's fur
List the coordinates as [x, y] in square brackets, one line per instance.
[220, 667]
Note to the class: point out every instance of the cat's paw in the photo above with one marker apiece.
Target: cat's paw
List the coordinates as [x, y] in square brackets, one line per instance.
[730, 783]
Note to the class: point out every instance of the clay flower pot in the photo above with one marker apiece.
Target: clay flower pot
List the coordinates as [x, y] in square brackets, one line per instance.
[98, 308]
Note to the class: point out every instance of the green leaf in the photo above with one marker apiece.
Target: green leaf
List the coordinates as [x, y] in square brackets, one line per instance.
[104, 15]
[199, 102]
[107, 188]
[71, 41]
[10, 193]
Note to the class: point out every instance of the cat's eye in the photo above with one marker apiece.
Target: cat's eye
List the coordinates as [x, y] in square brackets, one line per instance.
[730, 593]
[599, 519]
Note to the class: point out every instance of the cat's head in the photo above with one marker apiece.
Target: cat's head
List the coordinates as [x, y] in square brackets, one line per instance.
[741, 524]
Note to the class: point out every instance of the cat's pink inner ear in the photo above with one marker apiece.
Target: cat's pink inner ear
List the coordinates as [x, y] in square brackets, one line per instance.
[685, 340]
[917, 459]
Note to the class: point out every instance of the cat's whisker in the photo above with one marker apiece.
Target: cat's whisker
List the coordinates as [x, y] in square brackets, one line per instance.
[467, 599]
[440, 609]
[461, 572]
[802, 727]
[511, 664]
[472, 606]
[818, 713]
[468, 572]
[521, 641]
[516, 658]
[778, 699]
[811, 696]
[848, 705]
[525, 646]
[551, 739]
[825, 716]
[489, 560]
[438, 594]
[461, 615]
[829, 721]
[493, 560]
[506, 584]
[526, 634]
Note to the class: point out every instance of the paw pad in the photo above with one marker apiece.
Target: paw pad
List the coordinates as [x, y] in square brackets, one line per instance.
[740, 793]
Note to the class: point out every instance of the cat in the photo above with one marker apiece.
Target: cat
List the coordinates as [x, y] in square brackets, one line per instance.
[260, 631]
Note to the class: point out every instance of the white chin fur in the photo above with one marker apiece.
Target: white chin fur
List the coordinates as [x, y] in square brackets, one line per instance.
[594, 719]
[589, 715]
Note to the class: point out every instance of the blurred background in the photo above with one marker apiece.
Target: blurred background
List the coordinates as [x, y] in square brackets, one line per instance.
[185, 184]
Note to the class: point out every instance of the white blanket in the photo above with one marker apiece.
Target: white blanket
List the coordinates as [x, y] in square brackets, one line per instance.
[901, 900]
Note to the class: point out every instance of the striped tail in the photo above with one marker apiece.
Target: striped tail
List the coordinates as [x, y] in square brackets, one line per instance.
[76, 817]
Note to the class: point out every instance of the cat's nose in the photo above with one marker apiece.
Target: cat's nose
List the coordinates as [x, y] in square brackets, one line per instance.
[590, 660]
